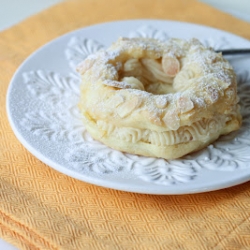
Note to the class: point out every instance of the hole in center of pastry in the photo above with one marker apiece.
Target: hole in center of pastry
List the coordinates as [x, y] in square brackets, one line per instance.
[151, 75]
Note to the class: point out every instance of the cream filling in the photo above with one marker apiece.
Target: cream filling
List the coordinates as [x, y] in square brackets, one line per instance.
[147, 75]
[198, 131]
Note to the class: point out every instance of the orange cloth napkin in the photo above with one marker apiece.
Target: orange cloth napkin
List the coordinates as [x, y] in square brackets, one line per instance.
[43, 209]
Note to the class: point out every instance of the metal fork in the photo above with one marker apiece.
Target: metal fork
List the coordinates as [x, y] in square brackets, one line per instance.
[233, 51]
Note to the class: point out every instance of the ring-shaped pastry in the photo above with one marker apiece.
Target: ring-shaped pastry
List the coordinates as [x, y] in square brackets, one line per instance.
[160, 99]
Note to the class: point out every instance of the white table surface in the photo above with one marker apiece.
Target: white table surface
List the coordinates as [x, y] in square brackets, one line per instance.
[14, 11]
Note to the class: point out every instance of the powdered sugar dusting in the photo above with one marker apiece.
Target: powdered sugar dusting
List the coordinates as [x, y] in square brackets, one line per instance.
[207, 66]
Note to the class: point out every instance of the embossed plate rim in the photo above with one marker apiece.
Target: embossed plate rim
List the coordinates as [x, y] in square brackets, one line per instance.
[114, 181]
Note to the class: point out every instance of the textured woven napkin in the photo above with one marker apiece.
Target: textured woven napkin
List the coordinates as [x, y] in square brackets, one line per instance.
[43, 209]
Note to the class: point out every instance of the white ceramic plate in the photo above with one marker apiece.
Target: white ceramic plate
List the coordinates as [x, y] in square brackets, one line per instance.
[42, 108]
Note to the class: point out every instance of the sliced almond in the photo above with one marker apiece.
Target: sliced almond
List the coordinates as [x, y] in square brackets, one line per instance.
[170, 65]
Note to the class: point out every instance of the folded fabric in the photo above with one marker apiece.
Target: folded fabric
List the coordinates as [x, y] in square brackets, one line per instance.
[41, 208]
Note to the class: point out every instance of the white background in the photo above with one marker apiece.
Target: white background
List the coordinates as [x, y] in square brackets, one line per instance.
[14, 11]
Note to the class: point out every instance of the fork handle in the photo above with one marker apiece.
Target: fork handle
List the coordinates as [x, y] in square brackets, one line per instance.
[233, 51]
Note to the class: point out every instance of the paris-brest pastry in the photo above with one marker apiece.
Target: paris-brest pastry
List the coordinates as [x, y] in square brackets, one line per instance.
[159, 99]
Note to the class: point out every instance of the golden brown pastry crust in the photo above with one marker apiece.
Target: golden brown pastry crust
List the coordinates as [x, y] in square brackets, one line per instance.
[146, 97]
